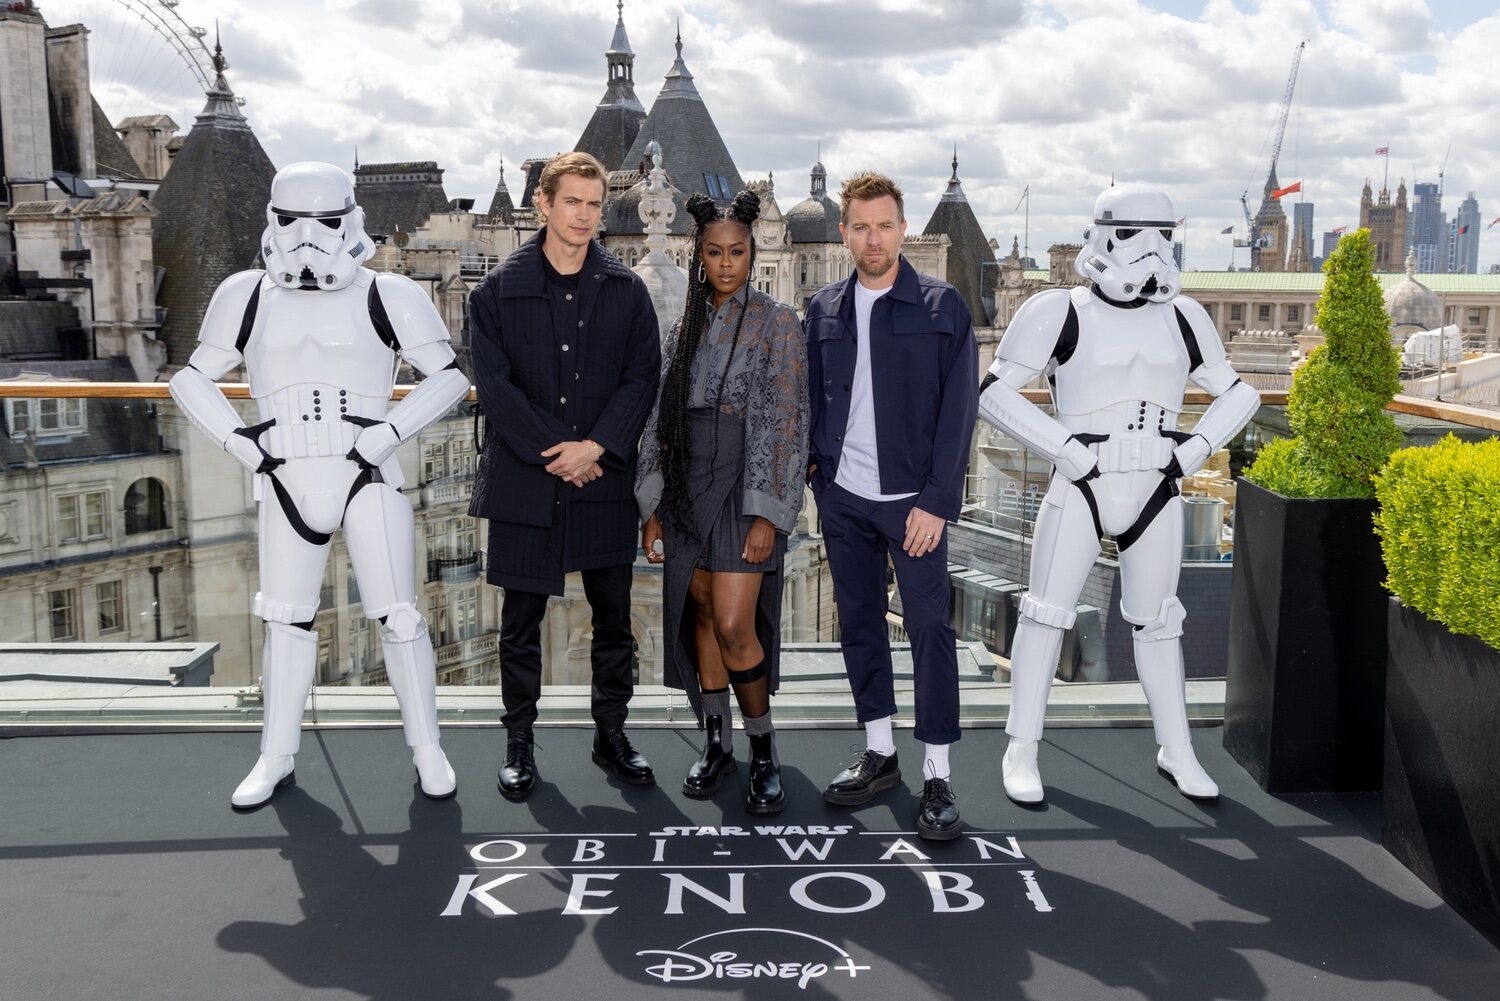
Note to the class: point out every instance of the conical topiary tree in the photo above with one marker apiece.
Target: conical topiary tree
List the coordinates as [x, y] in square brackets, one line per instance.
[1343, 434]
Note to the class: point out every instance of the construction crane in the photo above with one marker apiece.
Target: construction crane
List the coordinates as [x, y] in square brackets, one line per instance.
[1253, 239]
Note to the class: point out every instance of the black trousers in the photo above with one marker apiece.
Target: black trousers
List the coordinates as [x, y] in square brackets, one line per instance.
[521, 612]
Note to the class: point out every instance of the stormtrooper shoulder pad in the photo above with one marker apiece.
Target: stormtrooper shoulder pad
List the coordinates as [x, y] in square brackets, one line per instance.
[406, 310]
[231, 312]
[1038, 331]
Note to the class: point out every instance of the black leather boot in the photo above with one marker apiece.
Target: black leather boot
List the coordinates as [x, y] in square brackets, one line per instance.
[613, 753]
[518, 775]
[715, 765]
[765, 794]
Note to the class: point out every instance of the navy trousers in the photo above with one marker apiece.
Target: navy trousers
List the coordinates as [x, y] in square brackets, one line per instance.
[859, 533]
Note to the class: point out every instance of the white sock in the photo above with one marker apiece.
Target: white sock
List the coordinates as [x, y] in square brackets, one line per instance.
[878, 736]
[935, 765]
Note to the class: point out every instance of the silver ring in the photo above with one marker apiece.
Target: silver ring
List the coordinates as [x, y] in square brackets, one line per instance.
[929, 536]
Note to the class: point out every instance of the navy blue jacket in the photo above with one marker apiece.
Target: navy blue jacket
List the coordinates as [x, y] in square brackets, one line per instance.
[518, 373]
[924, 372]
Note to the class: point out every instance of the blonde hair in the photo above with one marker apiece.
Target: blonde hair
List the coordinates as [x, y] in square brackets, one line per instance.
[582, 164]
[867, 186]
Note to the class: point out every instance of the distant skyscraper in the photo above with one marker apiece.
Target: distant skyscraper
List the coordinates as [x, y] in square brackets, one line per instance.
[1429, 236]
[1300, 254]
[1466, 229]
[1177, 254]
[1330, 241]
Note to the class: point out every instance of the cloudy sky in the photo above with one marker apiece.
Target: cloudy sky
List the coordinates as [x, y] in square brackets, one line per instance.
[1056, 95]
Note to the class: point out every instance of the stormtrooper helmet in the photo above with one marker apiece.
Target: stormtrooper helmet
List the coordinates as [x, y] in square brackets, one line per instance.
[1127, 252]
[315, 237]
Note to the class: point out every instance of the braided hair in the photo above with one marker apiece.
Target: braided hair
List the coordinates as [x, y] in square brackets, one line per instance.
[672, 425]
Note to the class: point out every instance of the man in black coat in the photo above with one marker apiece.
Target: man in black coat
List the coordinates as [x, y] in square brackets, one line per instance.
[566, 361]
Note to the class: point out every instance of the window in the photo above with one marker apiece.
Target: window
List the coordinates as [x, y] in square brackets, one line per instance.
[110, 598]
[145, 506]
[724, 186]
[46, 418]
[81, 516]
[1294, 314]
[1474, 319]
[62, 611]
[351, 588]
[1263, 314]
[466, 613]
[1236, 313]
[802, 270]
[435, 463]
[766, 282]
[711, 183]
[361, 646]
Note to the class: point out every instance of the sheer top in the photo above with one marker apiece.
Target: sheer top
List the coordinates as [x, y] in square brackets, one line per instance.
[766, 387]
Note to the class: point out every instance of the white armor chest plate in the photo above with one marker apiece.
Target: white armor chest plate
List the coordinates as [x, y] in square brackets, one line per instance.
[1124, 356]
[324, 338]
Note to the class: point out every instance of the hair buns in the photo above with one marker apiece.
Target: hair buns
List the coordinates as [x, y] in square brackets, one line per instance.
[702, 209]
[745, 207]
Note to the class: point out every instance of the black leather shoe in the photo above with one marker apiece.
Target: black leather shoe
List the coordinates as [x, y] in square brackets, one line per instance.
[715, 765]
[518, 775]
[856, 784]
[613, 753]
[937, 817]
[765, 794]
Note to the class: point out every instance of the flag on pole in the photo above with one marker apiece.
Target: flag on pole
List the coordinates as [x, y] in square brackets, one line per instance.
[1462, 230]
[1295, 186]
[1230, 229]
[1340, 230]
[1383, 151]
[1182, 221]
[1492, 222]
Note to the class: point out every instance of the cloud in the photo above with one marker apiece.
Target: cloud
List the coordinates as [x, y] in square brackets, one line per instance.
[1057, 94]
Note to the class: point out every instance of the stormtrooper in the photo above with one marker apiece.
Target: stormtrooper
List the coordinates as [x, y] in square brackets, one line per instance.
[321, 338]
[1118, 354]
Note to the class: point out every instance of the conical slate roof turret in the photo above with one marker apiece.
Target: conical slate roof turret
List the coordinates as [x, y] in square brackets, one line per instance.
[211, 211]
[969, 249]
[618, 116]
[696, 158]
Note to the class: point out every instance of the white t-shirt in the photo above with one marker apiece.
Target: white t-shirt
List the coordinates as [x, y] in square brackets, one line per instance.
[859, 462]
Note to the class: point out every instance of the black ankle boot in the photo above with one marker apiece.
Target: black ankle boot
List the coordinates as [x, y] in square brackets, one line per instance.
[713, 766]
[765, 794]
[518, 774]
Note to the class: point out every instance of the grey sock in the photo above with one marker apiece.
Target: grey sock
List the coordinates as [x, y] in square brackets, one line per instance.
[757, 725]
[716, 703]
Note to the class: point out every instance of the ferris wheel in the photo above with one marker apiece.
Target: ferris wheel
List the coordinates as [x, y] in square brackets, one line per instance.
[145, 53]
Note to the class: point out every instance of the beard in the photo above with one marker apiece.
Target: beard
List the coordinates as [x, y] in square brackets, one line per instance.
[874, 264]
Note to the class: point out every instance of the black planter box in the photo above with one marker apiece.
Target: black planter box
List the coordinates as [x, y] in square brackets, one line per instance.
[1442, 764]
[1305, 687]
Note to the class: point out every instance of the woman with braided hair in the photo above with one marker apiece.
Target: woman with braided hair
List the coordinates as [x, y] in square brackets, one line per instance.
[720, 486]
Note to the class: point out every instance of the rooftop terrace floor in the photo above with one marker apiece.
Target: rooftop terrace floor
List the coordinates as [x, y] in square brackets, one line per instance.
[126, 875]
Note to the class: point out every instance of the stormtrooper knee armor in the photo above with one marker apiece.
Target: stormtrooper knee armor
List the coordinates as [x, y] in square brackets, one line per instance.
[1118, 354]
[321, 338]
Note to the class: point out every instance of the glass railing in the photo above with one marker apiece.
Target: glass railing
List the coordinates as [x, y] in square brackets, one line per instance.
[129, 562]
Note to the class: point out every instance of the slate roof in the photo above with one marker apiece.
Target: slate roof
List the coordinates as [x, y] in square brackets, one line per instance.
[111, 157]
[502, 209]
[211, 212]
[690, 141]
[969, 250]
[815, 219]
[392, 204]
[33, 329]
[622, 216]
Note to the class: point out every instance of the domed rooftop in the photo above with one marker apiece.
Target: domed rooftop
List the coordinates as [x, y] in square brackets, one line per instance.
[815, 219]
[1412, 306]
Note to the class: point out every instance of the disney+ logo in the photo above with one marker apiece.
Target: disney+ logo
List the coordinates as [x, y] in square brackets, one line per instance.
[776, 959]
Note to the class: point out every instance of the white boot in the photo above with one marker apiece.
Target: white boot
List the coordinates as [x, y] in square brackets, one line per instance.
[434, 771]
[271, 772]
[1179, 764]
[412, 671]
[288, 663]
[1023, 780]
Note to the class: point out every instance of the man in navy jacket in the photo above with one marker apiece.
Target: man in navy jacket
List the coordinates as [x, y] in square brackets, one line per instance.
[566, 359]
[893, 368]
